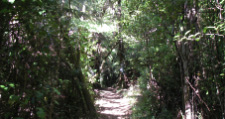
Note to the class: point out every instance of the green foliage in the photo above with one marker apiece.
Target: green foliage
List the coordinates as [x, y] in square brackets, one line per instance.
[40, 113]
[162, 26]
[37, 51]
[51, 50]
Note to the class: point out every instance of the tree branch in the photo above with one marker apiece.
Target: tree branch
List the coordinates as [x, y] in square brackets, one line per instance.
[198, 95]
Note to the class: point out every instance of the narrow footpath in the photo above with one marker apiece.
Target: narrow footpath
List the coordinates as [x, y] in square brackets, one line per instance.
[112, 104]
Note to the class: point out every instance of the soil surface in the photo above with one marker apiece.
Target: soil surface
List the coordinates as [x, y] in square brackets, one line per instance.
[112, 104]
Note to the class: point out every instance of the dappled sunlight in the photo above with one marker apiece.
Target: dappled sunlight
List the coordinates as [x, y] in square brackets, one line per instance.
[103, 27]
[116, 105]
[112, 59]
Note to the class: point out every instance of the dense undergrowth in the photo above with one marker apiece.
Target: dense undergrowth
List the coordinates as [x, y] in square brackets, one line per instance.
[53, 53]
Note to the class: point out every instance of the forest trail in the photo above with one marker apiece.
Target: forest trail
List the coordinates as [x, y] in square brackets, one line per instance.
[114, 104]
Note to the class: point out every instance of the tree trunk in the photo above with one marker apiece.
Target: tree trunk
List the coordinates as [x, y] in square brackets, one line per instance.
[83, 88]
[182, 50]
[122, 75]
[186, 92]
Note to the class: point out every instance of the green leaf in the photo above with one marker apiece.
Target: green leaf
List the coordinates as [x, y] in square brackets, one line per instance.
[177, 35]
[6, 88]
[12, 85]
[4, 10]
[39, 95]
[187, 32]
[41, 12]
[222, 74]
[197, 34]
[56, 91]
[60, 80]
[11, 1]
[211, 27]
[34, 63]
[41, 113]
[2, 86]
[13, 99]
[56, 102]
[197, 39]
[205, 30]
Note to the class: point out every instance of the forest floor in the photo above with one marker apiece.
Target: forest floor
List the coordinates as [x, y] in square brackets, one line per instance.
[117, 104]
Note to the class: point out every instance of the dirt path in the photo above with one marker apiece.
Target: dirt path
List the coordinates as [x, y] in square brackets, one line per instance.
[114, 104]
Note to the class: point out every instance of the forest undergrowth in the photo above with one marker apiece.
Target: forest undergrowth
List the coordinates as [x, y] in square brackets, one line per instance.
[55, 53]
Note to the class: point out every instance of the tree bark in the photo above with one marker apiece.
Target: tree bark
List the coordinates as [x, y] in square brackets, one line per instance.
[83, 88]
[186, 92]
[122, 75]
[182, 52]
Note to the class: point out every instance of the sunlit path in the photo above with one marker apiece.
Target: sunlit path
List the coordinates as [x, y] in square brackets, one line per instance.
[116, 105]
